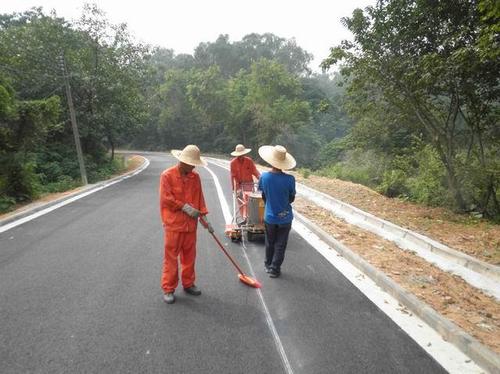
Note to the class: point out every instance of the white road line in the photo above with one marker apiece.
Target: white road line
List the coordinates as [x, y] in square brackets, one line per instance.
[450, 357]
[68, 201]
[269, 320]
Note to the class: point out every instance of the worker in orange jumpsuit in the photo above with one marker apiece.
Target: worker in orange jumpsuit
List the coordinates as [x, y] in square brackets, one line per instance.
[242, 169]
[242, 172]
[181, 204]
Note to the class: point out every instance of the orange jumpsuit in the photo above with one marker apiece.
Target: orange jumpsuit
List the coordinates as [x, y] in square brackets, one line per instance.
[180, 229]
[242, 170]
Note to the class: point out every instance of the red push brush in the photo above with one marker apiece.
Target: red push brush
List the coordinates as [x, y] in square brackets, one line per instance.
[246, 279]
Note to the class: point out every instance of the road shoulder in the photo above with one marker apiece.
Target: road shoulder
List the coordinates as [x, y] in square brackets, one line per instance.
[63, 198]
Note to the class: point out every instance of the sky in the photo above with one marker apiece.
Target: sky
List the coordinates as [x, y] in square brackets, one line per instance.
[182, 24]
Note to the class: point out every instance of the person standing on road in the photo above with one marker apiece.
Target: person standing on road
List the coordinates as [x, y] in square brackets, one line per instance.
[278, 193]
[242, 169]
[181, 204]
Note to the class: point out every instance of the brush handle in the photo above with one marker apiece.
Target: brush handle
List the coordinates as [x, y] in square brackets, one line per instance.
[221, 246]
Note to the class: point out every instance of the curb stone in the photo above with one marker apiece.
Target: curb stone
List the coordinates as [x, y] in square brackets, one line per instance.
[481, 354]
[90, 187]
[404, 238]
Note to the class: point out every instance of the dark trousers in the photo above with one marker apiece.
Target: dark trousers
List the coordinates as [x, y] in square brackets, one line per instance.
[276, 241]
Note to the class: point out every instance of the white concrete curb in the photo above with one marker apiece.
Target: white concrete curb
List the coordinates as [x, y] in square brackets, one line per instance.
[471, 347]
[481, 354]
[476, 272]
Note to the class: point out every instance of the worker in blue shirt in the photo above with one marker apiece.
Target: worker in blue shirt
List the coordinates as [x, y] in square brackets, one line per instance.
[278, 193]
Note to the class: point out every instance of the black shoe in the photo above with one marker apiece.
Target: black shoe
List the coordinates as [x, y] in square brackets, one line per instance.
[169, 298]
[193, 290]
[267, 269]
[274, 273]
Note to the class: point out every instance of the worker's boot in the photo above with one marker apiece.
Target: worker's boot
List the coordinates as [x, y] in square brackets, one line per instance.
[273, 273]
[169, 298]
[193, 290]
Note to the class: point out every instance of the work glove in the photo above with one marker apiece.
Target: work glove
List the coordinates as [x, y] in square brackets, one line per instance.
[190, 211]
[207, 225]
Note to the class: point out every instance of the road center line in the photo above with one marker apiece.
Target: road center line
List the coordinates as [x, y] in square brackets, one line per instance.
[269, 320]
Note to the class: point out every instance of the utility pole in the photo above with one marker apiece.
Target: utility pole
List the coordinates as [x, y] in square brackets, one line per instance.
[72, 115]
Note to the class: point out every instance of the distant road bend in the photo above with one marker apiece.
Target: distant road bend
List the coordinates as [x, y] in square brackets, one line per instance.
[80, 292]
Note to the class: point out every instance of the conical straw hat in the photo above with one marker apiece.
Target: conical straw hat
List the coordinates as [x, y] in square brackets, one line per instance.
[277, 156]
[240, 150]
[189, 155]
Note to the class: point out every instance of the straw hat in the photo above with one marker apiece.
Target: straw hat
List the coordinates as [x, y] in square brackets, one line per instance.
[189, 155]
[277, 156]
[240, 150]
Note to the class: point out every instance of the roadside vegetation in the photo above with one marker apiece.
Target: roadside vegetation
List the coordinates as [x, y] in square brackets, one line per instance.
[409, 108]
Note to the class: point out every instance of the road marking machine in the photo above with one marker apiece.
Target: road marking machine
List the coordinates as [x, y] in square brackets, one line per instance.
[248, 213]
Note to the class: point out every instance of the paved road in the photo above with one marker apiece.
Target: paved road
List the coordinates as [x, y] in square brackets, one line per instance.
[79, 293]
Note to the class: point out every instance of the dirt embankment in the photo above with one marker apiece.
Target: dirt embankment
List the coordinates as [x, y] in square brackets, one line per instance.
[450, 295]
[476, 237]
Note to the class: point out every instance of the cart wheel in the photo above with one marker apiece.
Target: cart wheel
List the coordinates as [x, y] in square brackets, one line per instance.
[250, 236]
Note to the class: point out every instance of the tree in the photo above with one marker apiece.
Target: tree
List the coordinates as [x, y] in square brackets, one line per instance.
[106, 75]
[286, 52]
[23, 125]
[178, 123]
[113, 69]
[207, 94]
[422, 60]
[233, 57]
[265, 102]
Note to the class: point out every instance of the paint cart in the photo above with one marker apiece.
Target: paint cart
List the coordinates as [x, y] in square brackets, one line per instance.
[248, 213]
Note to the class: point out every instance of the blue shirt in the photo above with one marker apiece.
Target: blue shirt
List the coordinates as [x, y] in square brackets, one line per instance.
[279, 189]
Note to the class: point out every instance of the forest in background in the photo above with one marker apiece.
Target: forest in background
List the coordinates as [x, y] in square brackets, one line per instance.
[410, 107]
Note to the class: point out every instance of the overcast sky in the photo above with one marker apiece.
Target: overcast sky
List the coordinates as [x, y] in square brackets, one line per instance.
[182, 24]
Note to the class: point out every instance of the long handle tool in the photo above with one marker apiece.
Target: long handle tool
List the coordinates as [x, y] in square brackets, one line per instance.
[246, 279]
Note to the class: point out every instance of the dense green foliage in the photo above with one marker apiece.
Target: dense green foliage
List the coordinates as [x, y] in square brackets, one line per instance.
[424, 95]
[412, 112]
[105, 70]
[254, 91]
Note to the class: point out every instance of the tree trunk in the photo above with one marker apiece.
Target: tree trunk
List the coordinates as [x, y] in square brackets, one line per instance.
[451, 176]
[112, 146]
[443, 139]
[455, 188]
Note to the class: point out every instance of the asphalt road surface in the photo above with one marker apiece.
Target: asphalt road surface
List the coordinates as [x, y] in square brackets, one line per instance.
[80, 293]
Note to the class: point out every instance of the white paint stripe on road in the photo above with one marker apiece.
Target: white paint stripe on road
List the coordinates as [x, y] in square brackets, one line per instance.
[269, 319]
[450, 357]
[69, 201]
[222, 199]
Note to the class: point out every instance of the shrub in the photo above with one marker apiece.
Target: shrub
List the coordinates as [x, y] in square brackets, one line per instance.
[20, 180]
[64, 183]
[427, 185]
[364, 167]
[99, 171]
[333, 152]
[480, 182]
[6, 203]
[49, 172]
[305, 172]
[393, 183]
